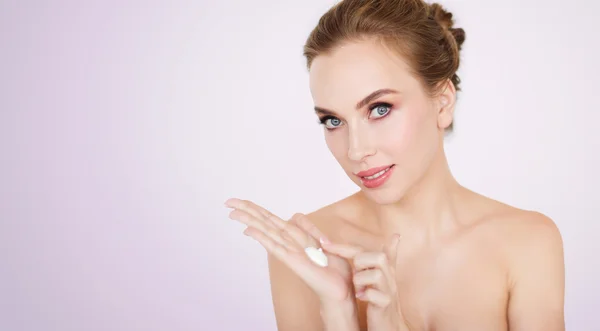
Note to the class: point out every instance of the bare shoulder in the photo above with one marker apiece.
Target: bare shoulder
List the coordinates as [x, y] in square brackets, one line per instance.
[533, 242]
[526, 230]
[510, 226]
[526, 239]
[533, 248]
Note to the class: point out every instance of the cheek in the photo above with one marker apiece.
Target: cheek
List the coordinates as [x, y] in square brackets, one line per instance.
[406, 135]
[398, 133]
[337, 145]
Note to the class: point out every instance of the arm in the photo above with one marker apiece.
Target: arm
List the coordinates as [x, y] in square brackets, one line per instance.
[537, 279]
[298, 308]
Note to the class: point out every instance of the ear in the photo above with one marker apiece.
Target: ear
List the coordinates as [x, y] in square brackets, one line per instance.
[445, 105]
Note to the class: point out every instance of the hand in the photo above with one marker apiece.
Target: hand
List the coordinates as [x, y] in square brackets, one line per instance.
[287, 241]
[375, 283]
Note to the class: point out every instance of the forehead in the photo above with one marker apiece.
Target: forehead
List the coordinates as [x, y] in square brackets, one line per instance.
[353, 70]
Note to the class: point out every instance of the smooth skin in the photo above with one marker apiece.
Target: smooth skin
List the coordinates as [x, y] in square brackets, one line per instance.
[463, 262]
[351, 271]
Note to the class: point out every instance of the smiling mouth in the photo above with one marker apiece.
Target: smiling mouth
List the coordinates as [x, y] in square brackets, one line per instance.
[377, 174]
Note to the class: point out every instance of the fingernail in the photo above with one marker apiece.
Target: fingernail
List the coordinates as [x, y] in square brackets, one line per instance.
[324, 241]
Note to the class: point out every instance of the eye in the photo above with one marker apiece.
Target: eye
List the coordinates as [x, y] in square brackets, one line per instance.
[330, 122]
[380, 110]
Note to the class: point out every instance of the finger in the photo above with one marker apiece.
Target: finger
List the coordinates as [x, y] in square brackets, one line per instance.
[253, 222]
[309, 227]
[256, 210]
[367, 260]
[347, 251]
[248, 219]
[377, 261]
[296, 234]
[290, 233]
[373, 278]
[244, 205]
[375, 297]
[273, 247]
[274, 219]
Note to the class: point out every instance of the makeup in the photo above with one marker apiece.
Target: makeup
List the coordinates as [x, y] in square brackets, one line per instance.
[375, 177]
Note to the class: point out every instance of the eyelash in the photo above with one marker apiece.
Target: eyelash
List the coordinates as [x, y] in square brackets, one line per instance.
[324, 119]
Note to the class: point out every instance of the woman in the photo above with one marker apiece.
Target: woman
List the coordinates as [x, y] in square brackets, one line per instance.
[413, 249]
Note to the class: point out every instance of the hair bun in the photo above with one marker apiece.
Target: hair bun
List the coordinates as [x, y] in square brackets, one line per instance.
[445, 19]
[459, 36]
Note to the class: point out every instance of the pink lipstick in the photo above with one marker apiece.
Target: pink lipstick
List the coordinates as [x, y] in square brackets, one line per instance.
[375, 177]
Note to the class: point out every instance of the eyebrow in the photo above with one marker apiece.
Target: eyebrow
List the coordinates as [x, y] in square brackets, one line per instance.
[366, 100]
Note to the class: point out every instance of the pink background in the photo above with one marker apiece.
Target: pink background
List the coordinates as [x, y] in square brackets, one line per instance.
[126, 124]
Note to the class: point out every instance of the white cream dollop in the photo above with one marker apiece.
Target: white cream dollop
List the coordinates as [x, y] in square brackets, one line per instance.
[316, 255]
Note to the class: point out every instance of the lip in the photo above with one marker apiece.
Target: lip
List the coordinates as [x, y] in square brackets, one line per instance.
[379, 181]
[372, 171]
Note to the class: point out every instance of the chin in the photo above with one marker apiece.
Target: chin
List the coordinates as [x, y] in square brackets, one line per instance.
[390, 192]
[383, 195]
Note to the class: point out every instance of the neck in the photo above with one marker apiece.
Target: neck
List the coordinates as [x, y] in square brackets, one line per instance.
[428, 210]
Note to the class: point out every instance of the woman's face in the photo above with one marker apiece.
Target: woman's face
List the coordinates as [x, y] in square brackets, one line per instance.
[377, 116]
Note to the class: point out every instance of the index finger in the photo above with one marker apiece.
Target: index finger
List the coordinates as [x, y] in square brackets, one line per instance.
[345, 251]
[253, 208]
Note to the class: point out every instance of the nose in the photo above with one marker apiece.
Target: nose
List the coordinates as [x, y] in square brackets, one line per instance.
[359, 144]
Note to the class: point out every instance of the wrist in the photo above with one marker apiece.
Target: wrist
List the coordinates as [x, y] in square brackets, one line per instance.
[340, 315]
[347, 300]
[343, 305]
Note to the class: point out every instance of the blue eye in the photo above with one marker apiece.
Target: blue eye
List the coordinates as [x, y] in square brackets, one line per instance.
[380, 110]
[330, 122]
[333, 122]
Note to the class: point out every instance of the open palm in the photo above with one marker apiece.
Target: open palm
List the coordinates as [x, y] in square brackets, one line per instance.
[287, 241]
